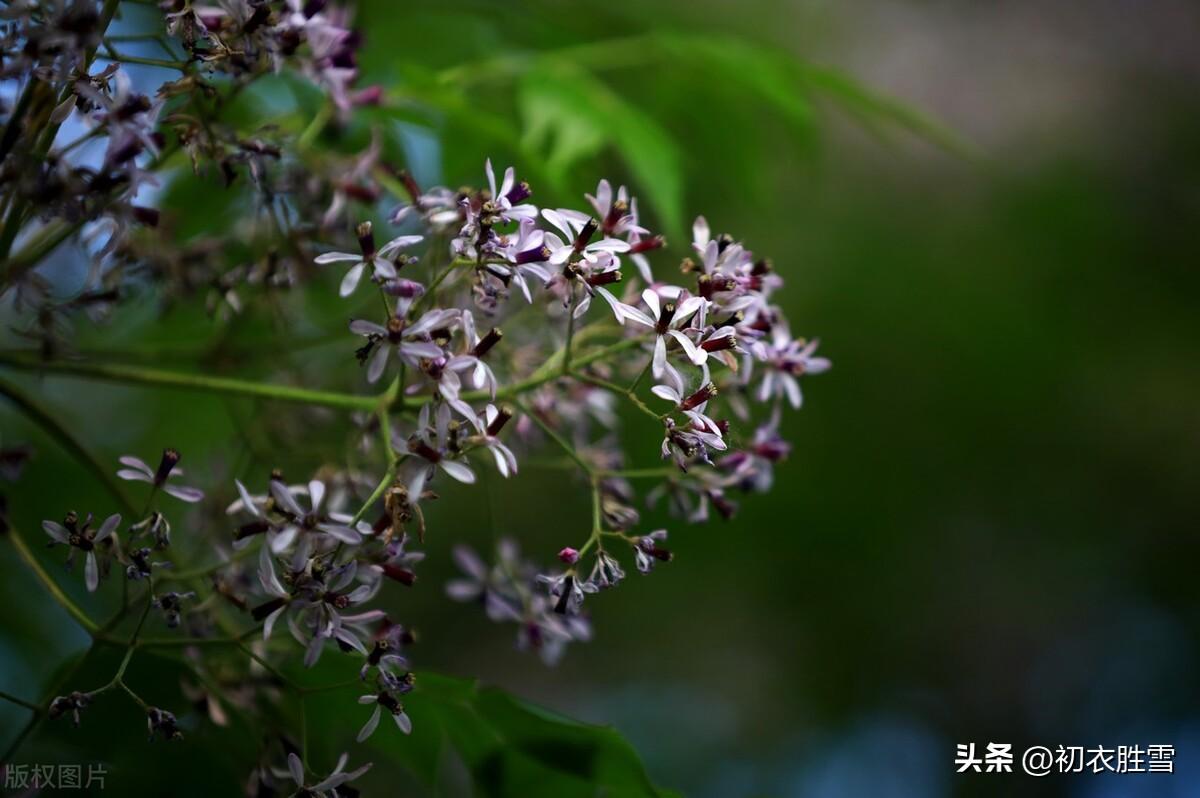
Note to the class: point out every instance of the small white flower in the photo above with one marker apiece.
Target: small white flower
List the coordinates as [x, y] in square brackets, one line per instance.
[137, 470]
[369, 256]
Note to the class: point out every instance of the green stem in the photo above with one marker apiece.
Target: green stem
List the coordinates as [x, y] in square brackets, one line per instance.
[549, 372]
[617, 389]
[597, 526]
[21, 702]
[178, 66]
[184, 642]
[314, 128]
[268, 667]
[385, 482]
[51, 586]
[187, 574]
[441, 276]
[195, 382]
[555, 436]
[642, 473]
[65, 439]
[13, 128]
[45, 128]
[641, 375]
[36, 718]
[566, 361]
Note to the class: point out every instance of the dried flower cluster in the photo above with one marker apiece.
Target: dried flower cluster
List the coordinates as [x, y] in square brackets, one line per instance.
[487, 346]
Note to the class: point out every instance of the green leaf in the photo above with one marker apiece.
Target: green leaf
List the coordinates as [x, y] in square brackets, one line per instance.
[762, 71]
[512, 749]
[878, 112]
[569, 115]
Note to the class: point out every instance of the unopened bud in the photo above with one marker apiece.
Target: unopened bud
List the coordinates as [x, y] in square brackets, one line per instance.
[366, 239]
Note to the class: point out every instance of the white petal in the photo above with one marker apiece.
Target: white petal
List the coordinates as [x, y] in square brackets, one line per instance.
[650, 297]
[369, 727]
[602, 202]
[283, 497]
[336, 257]
[792, 388]
[459, 471]
[296, 768]
[342, 533]
[284, 539]
[269, 623]
[316, 492]
[688, 307]
[184, 493]
[108, 527]
[694, 353]
[91, 572]
[633, 314]
[138, 463]
[350, 281]
[466, 559]
[609, 245]
[618, 308]
[817, 365]
[666, 392]
[421, 349]
[557, 219]
[399, 242]
[56, 531]
[247, 501]
[364, 327]
[266, 574]
[383, 268]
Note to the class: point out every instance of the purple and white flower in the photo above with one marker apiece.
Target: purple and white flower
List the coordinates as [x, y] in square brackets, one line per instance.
[387, 698]
[137, 470]
[785, 360]
[412, 343]
[327, 787]
[670, 319]
[377, 259]
[80, 536]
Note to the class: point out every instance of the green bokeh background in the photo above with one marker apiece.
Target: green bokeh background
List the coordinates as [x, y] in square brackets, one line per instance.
[987, 530]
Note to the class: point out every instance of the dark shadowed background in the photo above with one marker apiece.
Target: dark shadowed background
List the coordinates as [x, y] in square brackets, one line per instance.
[987, 530]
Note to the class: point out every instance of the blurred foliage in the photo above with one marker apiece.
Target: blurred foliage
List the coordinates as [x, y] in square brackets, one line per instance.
[987, 530]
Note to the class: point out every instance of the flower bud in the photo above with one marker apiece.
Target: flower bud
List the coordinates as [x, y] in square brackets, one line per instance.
[366, 240]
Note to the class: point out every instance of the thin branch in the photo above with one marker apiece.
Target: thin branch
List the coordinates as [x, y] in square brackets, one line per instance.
[21, 702]
[37, 716]
[43, 419]
[555, 436]
[195, 382]
[642, 473]
[51, 586]
[566, 361]
[617, 389]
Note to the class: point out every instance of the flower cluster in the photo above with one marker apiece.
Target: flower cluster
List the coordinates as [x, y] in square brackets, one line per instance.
[694, 360]
[473, 344]
[714, 344]
[249, 37]
[509, 592]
